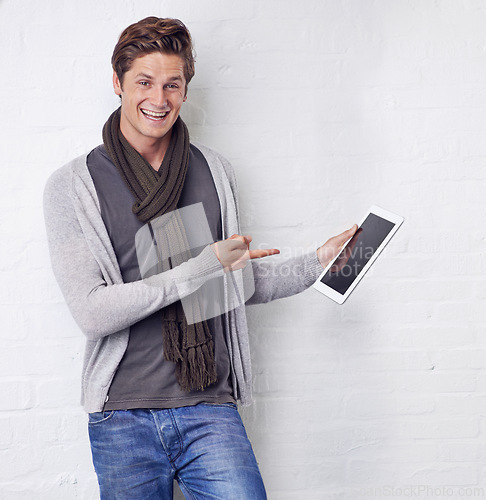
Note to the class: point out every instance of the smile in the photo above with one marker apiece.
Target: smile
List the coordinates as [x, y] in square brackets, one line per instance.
[153, 115]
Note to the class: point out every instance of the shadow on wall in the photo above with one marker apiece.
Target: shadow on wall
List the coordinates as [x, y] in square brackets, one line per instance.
[193, 112]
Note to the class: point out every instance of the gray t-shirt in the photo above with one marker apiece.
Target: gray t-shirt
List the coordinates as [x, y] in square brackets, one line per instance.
[144, 379]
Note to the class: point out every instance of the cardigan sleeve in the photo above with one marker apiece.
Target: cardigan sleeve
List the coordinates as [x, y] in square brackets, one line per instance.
[277, 280]
[100, 306]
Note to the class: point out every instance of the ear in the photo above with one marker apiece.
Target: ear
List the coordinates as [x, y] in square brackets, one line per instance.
[116, 84]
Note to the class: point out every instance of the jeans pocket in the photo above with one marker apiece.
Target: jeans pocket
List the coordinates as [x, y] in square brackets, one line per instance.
[100, 417]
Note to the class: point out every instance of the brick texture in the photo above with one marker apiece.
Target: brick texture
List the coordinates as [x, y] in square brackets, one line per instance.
[324, 107]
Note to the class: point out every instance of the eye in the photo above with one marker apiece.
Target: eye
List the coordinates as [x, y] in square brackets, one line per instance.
[144, 83]
[172, 86]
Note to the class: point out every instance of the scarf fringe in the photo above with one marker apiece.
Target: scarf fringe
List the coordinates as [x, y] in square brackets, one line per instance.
[197, 369]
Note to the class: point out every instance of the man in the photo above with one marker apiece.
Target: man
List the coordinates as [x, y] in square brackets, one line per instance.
[159, 388]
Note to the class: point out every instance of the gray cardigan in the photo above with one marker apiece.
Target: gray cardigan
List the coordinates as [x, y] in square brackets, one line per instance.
[85, 266]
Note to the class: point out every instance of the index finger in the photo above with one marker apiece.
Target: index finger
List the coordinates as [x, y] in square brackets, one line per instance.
[258, 254]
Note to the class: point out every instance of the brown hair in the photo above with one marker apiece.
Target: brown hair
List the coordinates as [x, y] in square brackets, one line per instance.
[153, 34]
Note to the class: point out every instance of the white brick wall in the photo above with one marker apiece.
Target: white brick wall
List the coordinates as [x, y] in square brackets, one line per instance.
[324, 107]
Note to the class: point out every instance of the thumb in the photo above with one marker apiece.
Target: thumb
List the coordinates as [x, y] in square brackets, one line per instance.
[343, 237]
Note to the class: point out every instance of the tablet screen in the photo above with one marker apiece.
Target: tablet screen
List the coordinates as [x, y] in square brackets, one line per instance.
[361, 248]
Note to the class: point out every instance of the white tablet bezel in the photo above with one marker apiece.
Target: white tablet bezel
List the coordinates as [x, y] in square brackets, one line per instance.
[336, 296]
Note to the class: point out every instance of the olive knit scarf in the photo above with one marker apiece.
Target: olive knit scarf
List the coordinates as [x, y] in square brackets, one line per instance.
[190, 346]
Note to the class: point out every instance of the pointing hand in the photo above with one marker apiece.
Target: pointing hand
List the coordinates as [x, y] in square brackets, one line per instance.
[234, 252]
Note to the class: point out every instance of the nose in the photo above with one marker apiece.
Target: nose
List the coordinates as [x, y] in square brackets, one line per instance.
[158, 97]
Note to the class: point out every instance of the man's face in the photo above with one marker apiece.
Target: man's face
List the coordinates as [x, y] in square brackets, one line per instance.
[152, 95]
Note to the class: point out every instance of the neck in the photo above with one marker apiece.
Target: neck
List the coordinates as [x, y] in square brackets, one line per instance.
[152, 150]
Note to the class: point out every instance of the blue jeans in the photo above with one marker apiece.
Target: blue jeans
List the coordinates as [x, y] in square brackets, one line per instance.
[138, 453]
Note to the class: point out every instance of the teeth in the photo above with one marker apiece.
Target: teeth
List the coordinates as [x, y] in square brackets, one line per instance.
[153, 113]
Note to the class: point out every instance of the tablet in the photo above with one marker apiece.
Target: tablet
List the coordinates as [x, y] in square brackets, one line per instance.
[344, 272]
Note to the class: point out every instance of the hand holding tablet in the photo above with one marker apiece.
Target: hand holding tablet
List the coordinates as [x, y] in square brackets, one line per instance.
[345, 271]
